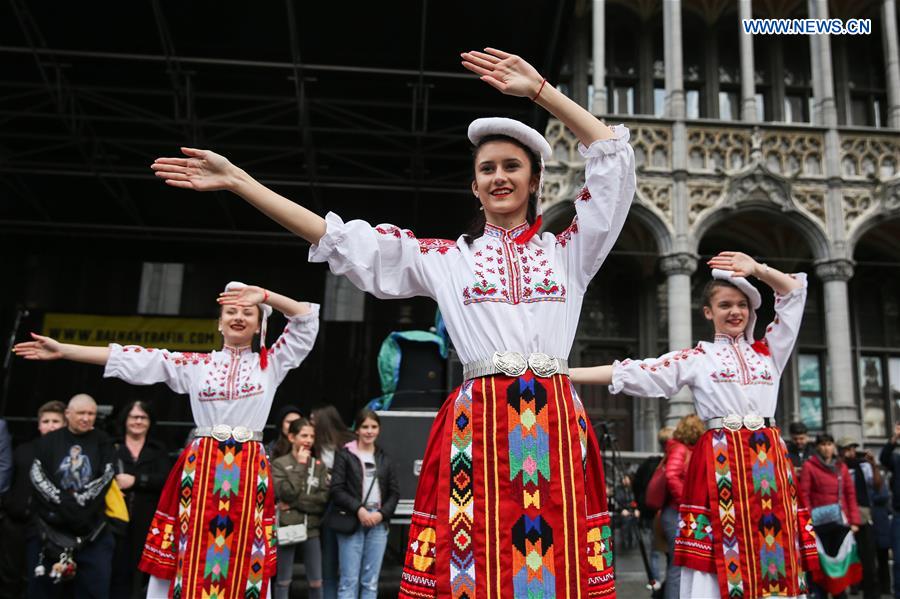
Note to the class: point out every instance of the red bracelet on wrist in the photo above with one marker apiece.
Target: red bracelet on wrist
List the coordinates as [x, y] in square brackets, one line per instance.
[540, 89]
[265, 295]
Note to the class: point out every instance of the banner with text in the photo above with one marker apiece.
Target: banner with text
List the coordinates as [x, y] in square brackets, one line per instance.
[193, 334]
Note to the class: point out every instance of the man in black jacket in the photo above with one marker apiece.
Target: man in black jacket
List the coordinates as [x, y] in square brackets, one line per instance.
[890, 459]
[71, 473]
[17, 506]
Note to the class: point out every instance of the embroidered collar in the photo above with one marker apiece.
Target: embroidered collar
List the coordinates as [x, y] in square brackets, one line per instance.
[500, 232]
[236, 350]
[723, 338]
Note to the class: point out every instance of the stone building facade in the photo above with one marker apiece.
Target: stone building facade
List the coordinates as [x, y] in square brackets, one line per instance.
[786, 147]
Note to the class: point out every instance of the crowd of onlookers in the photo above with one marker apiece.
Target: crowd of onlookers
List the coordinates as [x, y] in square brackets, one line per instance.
[76, 502]
[852, 495]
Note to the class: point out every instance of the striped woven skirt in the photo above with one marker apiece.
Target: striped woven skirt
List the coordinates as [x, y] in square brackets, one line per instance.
[212, 533]
[511, 499]
[741, 519]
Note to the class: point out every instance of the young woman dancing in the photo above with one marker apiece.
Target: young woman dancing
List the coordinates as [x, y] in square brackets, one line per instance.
[742, 531]
[211, 534]
[511, 496]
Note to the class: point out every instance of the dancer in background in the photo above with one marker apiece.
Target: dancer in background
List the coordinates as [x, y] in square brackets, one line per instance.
[212, 531]
[742, 531]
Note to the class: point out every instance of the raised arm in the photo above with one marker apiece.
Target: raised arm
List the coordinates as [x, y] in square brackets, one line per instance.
[46, 348]
[790, 300]
[594, 375]
[251, 295]
[743, 265]
[513, 76]
[204, 170]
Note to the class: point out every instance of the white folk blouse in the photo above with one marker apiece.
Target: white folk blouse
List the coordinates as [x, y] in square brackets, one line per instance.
[227, 386]
[495, 294]
[726, 376]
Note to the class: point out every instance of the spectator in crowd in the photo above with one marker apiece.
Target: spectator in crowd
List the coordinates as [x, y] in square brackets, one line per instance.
[890, 459]
[142, 465]
[280, 445]
[678, 456]
[868, 483]
[364, 482]
[647, 515]
[799, 447]
[72, 471]
[17, 506]
[301, 489]
[6, 457]
[331, 435]
[828, 491]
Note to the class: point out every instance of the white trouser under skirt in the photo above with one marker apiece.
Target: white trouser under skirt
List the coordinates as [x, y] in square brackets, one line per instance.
[703, 585]
[158, 588]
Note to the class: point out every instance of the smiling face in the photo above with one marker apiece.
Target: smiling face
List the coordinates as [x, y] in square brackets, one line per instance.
[367, 432]
[238, 324]
[137, 423]
[504, 181]
[729, 311]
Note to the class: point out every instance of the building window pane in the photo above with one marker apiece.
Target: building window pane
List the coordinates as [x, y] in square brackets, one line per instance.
[760, 107]
[623, 100]
[872, 382]
[729, 106]
[859, 111]
[810, 390]
[793, 109]
[692, 101]
[659, 101]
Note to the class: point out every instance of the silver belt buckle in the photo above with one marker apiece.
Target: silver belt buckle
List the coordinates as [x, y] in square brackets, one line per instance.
[754, 421]
[733, 422]
[241, 434]
[220, 432]
[510, 363]
[543, 365]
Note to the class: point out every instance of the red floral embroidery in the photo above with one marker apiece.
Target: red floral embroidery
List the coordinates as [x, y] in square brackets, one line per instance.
[441, 246]
[389, 230]
[584, 195]
[566, 236]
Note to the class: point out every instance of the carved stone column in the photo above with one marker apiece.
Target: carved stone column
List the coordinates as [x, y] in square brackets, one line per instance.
[673, 59]
[843, 413]
[891, 60]
[748, 74]
[599, 57]
[678, 269]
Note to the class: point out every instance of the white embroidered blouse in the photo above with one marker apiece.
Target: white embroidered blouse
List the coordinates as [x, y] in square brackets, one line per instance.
[726, 376]
[495, 294]
[227, 386]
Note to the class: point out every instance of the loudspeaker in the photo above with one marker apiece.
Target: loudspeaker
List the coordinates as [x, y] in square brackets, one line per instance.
[454, 370]
[421, 383]
[404, 436]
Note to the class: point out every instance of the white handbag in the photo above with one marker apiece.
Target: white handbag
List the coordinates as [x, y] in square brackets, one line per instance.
[295, 533]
